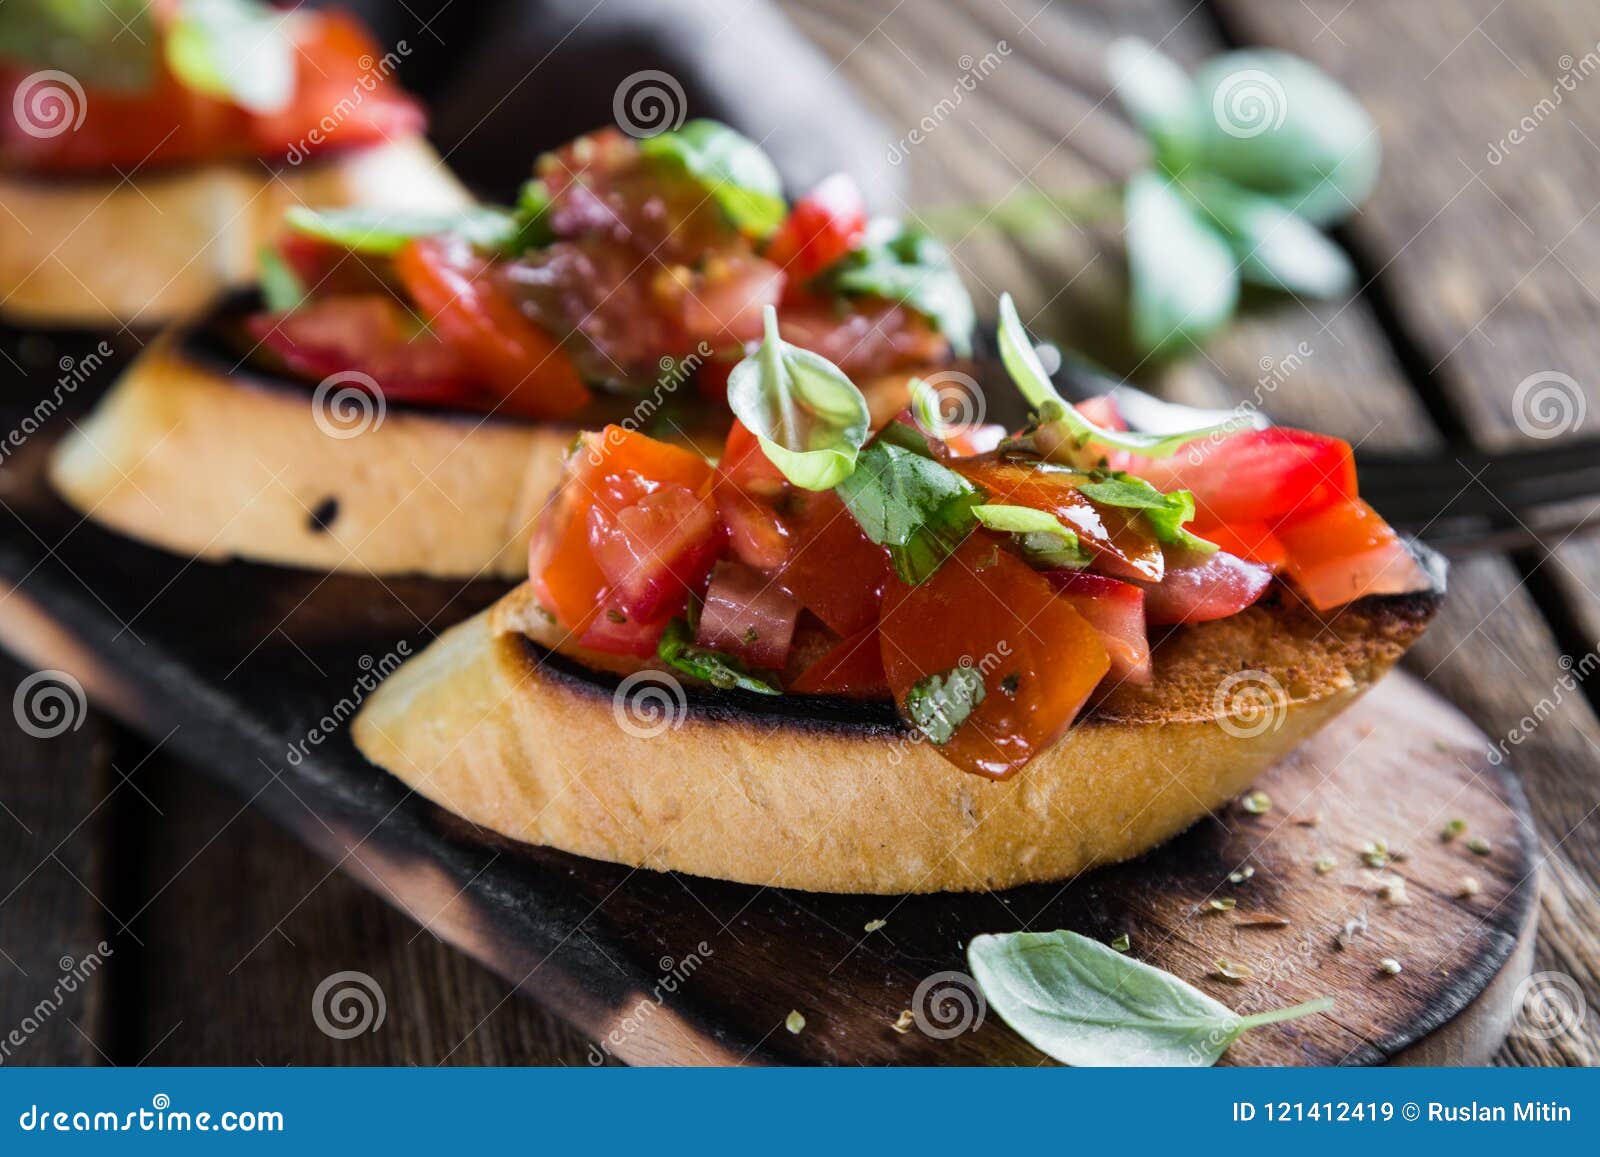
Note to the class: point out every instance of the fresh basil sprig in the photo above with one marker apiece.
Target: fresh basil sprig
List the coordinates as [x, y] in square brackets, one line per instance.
[940, 704]
[383, 232]
[809, 417]
[677, 649]
[901, 263]
[904, 500]
[740, 177]
[106, 39]
[281, 288]
[1166, 512]
[1022, 364]
[1084, 1003]
[1040, 534]
[234, 50]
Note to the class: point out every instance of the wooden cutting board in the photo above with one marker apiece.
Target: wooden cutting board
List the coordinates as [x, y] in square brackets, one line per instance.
[245, 661]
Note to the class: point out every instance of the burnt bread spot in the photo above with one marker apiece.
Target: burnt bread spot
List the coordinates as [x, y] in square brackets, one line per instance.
[323, 515]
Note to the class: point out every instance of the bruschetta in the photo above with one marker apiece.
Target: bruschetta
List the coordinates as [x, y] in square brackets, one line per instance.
[143, 167]
[924, 659]
[401, 394]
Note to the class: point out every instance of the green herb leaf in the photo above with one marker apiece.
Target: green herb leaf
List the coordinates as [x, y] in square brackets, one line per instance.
[925, 407]
[919, 508]
[532, 216]
[1159, 97]
[939, 704]
[1086, 1004]
[1273, 246]
[234, 50]
[724, 672]
[109, 41]
[732, 168]
[1167, 512]
[281, 288]
[809, 417]
[383, 232]
[1185, 284]
[911, 266]
[1016, 352]
[1042, 535]
[1277, 124]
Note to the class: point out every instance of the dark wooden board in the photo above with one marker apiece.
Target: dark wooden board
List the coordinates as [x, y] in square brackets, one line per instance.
[235, 664]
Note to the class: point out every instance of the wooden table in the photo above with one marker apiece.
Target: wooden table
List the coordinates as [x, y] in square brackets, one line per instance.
[1480, 275]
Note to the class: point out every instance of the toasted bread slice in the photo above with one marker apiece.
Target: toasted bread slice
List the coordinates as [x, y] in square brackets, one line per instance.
[833, 796]
[189, 453]
[105, 252]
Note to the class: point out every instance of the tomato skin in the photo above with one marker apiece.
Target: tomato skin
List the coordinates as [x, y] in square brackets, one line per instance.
[1205, 587]
[1257, 475]
[656, 551]
[822, 227]
[852, 669]
[987, 609]
[520, 362]
[834, 570]
[747, 616]
[1251, 541]
[1116, 610]
[1345, 552]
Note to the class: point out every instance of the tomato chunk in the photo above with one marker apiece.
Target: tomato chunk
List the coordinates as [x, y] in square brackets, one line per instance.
[1204, 587]
[746, 615]
[1346, 551]
[834, 570]
[853, 668]
[987, 610]
[1257, 475]
[1251, 541]
[656, 552]
[1114, 609]
[822, 227]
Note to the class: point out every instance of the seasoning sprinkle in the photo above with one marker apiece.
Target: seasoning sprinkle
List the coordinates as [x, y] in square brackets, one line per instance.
[1469, 886]
[1352, 928]
[1241, 875]
[1376, 854]
[1232, 970]
[1389, 966]
[1222, 903]
[1122, 943]
[1263, 920]
[1394, 892]
[1257, 803]
[794, 1022]
[1324, 865]
[1453, 829]
[903, 1022]
[873, 925]
[1479, 846]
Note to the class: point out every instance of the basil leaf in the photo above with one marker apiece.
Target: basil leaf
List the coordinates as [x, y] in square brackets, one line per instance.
[1277, 124]
[108, 40]
[1272, 245]
[911, 266]
[383, 232]
[925, 407]
[532, 217]
[809, 417]
[281, 289]
[1042, 535]
[919, 508]
[1083, 1003]
[1167, 512]
[939, 704]
[724, 672]
[1185, 283]
[1017, 354]
[1158, 96]
[234, 50]
[731, 167]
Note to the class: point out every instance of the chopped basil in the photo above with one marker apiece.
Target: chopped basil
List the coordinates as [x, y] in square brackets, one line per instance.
[281, 288]
[810, 419]
[1166, 512]
[1086, 1004]
[382, 233]
[731, 167]
[532, 216]
[1040, 533]
[724, 672]
[939, 704]
[106, 39]
[1016, 351]
[918, 508]
[234, 50]
[910, 266]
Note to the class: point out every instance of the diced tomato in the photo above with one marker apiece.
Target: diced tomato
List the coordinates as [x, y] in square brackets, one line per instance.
[835, 570]
[1251, 541]
[747, 615]
[1204, 587]
[368, 334]
[747, 465]
[518, 360]
[613, 632]
[757, 534]
[987, 610]
[1346, 551]
[822, 227]
[853, 668]
[1257, 475]
[656, 552]
[1122, 544]
[1114, 609]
